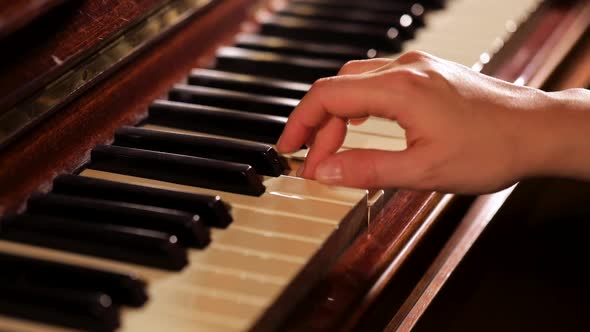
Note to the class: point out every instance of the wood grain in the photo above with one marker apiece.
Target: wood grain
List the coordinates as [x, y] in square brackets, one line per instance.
[575, 71]
[356, 271]
[17, 14]
[62, 142]
[52, 44]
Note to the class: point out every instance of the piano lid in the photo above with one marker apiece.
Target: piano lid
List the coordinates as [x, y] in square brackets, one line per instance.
[57, 56]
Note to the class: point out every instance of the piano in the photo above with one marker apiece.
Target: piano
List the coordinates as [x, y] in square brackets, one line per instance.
[139, 185]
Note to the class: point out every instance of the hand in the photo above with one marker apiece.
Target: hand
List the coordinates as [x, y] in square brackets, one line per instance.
[466, 132]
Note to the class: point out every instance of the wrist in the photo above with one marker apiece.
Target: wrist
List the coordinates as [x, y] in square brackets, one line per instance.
[558, 135]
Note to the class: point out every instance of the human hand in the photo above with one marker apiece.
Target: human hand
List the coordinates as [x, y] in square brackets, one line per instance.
[466, 132]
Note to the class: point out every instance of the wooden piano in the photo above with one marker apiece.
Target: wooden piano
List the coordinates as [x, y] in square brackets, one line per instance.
[139, 186]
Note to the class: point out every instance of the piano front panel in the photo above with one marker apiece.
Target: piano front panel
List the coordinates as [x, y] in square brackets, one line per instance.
[233, 284]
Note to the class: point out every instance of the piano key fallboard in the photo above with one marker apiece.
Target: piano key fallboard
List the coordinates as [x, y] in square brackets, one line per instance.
[190, 220]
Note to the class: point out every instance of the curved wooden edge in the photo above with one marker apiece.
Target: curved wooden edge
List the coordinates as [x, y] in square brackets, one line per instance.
[380, 243]
[574, 72]
[553, 33]
[355, 282]
[471, 227]
[62, 143]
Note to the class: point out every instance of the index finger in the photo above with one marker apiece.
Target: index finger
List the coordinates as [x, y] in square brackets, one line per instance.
[348, 97]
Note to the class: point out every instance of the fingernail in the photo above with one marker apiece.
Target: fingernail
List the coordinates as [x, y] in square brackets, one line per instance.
[329, 172]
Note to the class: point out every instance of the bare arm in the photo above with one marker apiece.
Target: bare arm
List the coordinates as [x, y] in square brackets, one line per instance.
[466, 132]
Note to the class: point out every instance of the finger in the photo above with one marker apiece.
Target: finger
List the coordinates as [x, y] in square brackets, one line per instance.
[349, 97]
[412, 57]
[362, 66]
[370, 169]
[330, 137]
[359, 121]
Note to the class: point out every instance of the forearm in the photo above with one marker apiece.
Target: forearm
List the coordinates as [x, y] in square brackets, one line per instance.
[562, 134]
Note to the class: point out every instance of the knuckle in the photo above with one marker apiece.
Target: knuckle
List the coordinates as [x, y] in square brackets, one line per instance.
[321, 83]
[408, 78]
[436, 77]
[349, 66]
[413, 57]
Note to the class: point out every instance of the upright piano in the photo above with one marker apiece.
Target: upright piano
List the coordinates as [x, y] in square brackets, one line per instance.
[140, 189]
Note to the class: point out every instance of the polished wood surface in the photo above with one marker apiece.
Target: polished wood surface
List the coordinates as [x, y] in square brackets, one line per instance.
[536, 50]
[527, 271]
[61, 144]
[51, 45]
[575, 70]
[17, 14]
[383, 242]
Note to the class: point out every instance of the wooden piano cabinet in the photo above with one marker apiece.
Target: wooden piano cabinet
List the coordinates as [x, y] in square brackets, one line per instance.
[527, 272]
[384, 263]
[52, 43]
[16, 14]
[61, 143]
[386, 243]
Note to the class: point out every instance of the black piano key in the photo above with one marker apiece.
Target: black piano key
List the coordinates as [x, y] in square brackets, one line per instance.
[402, 21]
[232, 99]
[248, 83]
[431, 4]
[262, 157]
[385, 7]
[134, 245]
[274, 65]
[302, 48]
[124, 289]
[187, 227]
[192, 171]
[212, 120]
[392, 8]
[382, 39]
[212, 210]
[88, 311]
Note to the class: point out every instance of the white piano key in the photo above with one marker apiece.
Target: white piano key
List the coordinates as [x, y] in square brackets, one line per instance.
[308, 189]
[234, 287]
[10, 324]
[158, 316]
[293, 248]
[267, 222]
[355, 140]
[272, 201]
[379, 127]
[461, 33]
[271, 256]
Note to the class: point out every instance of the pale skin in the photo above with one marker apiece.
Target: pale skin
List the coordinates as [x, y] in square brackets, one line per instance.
[466, 132]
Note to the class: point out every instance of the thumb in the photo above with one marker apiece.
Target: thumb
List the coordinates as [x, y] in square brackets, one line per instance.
[367, 169]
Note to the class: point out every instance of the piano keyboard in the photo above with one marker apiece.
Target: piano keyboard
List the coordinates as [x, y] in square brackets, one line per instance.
[190, 221]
